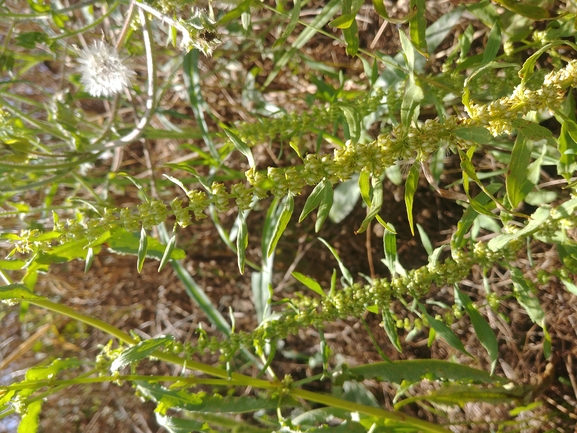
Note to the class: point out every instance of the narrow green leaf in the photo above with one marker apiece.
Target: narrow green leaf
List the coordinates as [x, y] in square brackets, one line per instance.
[167, 252]
[427, 244]
[325, 205]
[484, 333]
[415, 370]
[241, 146]
[438, 31]
[418, 25]
[309, 282]
[346, 273]
[411, 100]
[380, 8]
[376, 204]
[351, 35]
[206, 403]
[236, 12]
[518, 169]
[142, 249]
[18, 292]
[538, 218]
[391, 329]
[353, 119]
[140, 351]
[524, 295]
[122, 241]
[408, 50]
[281, 224]
[570, 286]
[295, 14]
[390, 248]
[458, 240]
[328, 11]
[526, 72]
[345, 199]
[89, 259]
[525, 9]
[493, 44]
[178, 425]
[411, 185]
[365, 186]
[241, 242]
[477, 134]
[343, 22]
[313, 200]
[445, 332]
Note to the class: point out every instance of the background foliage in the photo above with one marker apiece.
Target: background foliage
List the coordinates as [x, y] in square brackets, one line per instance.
[339, 216]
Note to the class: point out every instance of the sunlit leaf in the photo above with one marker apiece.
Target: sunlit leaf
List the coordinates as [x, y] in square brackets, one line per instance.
[140, 351]
[309, 282]
[411, 185]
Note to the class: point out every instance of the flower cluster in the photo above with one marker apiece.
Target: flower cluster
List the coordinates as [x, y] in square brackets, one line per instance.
[352, 301]
[497, 116]
[269, 128]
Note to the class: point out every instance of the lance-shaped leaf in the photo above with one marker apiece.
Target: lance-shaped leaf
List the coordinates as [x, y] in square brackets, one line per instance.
[411, 185]
[281, 223]
[445, 332]
[140, 351]
[482, 329]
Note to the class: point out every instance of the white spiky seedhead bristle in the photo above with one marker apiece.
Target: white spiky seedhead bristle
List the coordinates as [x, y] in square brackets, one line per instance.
[104, 72]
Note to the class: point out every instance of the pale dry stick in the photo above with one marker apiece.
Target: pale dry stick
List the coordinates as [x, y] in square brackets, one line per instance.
[369, 247]
[151, 91]
[301, 251]
[569, 365]
[378, 35]
[25, 346]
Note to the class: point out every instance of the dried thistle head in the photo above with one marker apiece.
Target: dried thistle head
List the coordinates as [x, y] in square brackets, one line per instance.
[103, 71]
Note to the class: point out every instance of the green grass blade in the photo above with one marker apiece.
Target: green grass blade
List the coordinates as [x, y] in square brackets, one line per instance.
[241, 242]
[295, 14]
[167, 252]
[191, 75]
[142, 249]
[241, 146]
[418, 25]
[346, 273]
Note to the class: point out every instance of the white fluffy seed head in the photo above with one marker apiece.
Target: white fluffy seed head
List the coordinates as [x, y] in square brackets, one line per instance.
[104, 72]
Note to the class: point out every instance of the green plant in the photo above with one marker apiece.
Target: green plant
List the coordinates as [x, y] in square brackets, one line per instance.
[487, 106]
